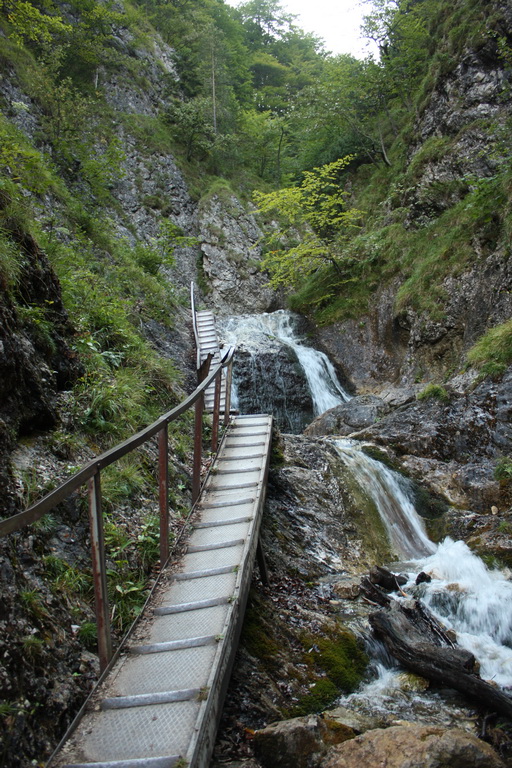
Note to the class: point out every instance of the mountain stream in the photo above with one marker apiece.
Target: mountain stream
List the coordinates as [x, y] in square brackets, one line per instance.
[474, 602]
[467, 597]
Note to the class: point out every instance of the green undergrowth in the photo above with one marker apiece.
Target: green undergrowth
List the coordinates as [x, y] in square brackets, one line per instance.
[503, 470]
[434, 392]
[109, 295]
[492, 353]
[423, 257]
[324, 663]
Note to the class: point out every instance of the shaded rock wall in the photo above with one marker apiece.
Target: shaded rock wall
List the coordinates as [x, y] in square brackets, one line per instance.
[467, 112]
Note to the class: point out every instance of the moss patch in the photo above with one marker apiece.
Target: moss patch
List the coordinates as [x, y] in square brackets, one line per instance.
[259, 633]
[337, 662]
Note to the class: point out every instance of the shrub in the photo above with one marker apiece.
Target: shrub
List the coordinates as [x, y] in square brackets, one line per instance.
[434, 392]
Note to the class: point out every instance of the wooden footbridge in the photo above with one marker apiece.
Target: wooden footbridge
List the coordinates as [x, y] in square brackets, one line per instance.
[159, 699]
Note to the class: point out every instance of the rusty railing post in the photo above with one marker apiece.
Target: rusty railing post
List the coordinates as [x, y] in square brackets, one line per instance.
[163, 492]
[216, 411]
[99, 572]
[202, 373]
[227, 403]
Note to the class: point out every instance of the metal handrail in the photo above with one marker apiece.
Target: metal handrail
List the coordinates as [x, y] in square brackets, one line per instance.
[90, 474]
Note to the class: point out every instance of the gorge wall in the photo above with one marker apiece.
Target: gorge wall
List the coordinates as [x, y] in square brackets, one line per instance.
[391, 350]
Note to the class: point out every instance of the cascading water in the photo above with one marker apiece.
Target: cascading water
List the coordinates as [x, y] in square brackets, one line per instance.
[391, 493]
[468, 598]
[476, 603]
[298, 381]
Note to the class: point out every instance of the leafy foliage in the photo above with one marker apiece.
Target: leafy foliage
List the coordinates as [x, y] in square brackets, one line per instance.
[312, 218]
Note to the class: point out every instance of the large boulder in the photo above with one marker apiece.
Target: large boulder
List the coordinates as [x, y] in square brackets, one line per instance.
[413, 746]
[360, 412]
[298, 743]
[273, 381]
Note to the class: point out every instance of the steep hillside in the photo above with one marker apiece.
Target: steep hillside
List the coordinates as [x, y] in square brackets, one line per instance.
[429, 271]
[99, 239]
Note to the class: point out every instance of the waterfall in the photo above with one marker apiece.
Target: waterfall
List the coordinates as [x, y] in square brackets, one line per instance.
[391, 494]
[276, 332]
[467, 597]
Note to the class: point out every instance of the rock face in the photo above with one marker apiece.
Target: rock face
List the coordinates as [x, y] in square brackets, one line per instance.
[413, 747]
[36, 360]
[273, 382]
[230, 257]
[453, 445]
[358, 413]
[385, 346]
[462, 115]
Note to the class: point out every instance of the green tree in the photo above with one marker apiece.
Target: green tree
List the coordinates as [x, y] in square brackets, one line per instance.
[264, 22]
[27, 23]
[263, 143]
[192, 125]
[313, 219]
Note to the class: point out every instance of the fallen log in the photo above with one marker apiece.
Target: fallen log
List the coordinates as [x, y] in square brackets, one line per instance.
[409, 636]
[373, 593]
[386, 579]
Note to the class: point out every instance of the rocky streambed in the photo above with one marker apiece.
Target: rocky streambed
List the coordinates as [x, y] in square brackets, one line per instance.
[290, 702]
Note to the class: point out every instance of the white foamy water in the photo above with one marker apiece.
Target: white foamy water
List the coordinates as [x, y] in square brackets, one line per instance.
[467, 597]
[476, 603]
[255, 331]
[392, 496]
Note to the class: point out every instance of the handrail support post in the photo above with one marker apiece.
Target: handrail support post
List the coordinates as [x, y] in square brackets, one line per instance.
[163, 492]
[227, 402]
[99, 572]
[202, 373]
[216, 411]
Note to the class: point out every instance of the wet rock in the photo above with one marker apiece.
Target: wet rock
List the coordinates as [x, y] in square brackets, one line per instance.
[360, 412]
[347, 589]
[356, 721]
[413, 746]
[430, 428]
[297, 743]
[396, 396]
[408, 681]
[272, 381]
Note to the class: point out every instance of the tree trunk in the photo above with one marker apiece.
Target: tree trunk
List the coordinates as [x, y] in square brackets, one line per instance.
[418, 642]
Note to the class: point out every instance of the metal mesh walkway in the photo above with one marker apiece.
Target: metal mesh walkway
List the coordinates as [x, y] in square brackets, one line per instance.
[161, 703]
[209, 345]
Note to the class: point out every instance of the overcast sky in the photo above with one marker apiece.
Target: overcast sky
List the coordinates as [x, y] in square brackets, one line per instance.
[337, 22]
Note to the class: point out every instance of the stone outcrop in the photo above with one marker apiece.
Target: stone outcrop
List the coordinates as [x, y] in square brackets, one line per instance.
[453, 445]
[360, 412]
[413, 746]
[385, 346]
[298, 743]
[231, 253]
[273, 382]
